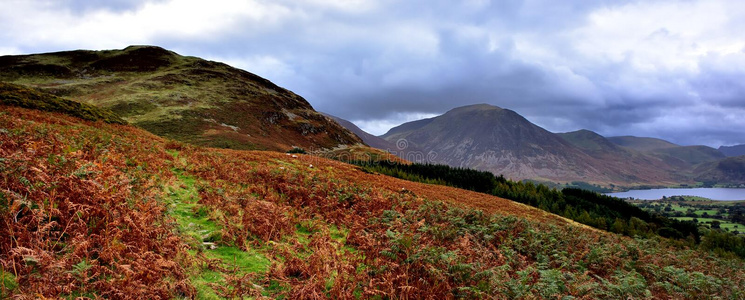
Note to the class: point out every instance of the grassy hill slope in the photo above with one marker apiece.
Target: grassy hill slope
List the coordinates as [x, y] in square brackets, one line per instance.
[680, 156]
[730, 171]
[641, 143]
[628, 164]
[185, 98]
[691, 155]
[729, 151]
[90, 209]
[16, 95]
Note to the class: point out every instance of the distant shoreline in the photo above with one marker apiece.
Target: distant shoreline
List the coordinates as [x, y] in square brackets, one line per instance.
[715, 194]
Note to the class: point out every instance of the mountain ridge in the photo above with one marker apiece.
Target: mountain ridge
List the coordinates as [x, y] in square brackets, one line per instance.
[369, 139]
[182, 97]
[502, 141]
[736, 150]
[519, 150]
[641, 143]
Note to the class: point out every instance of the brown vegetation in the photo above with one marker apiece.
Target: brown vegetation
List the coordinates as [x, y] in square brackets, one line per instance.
[84, 213]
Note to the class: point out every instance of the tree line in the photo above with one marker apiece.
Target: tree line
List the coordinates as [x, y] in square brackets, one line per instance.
[586, 207]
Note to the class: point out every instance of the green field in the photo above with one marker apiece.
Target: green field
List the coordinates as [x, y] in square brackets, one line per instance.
[688, 208]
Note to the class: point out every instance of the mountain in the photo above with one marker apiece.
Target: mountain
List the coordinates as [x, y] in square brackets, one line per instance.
[685, 163]
[641, 143]
[97, 209]
[729, 151]
[501, 141]
[401, 150]
[590, 141]
[369, 139]
[185, 98]
[493, 139]
[624, 163]
[407, 127]
[730, 170]
[691, 155]
[675, 155]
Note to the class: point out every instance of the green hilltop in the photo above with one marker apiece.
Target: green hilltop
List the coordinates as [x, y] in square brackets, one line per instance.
[185, 98]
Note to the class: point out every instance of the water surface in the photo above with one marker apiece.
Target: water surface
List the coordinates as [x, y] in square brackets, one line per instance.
[723, 194]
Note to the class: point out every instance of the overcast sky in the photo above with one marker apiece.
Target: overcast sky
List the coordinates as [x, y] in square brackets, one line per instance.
[667, 69]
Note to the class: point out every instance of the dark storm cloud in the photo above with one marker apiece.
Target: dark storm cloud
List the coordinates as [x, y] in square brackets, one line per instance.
[721, 83]
[668, 69]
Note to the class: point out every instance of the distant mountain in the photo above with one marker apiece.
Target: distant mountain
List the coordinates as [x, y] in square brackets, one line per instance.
[672, 154]
[590, 141]
[407, 127]
[625, 163]
[641, 143]
[184, 98]
[680, 156]
[369, 139]
[691, 155]
[730, 170]
[490, 138]
[730, 151]
[403, 150]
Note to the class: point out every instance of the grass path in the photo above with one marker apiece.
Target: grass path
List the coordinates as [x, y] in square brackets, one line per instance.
[197, 225]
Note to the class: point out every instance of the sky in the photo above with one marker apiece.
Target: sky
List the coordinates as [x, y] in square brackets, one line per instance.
[667, 69]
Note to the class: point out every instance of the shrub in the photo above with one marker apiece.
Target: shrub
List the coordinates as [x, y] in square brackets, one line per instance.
[297, 150]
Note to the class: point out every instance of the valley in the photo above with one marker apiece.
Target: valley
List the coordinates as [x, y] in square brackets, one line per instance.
[725, 215]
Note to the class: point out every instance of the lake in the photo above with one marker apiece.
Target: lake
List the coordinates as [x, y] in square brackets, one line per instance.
[723, 194]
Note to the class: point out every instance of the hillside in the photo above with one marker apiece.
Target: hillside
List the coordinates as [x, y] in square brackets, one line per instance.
[641, 143]
[185, 98]
[407, 127]
[20, 96]
[700, 163]
[736, 150]
[590, 141]
[394, 150]
[623, 162]
[691, 155]
[490, 138]
[682, 157]
[368, 139]
[91, 209]
[729, 171]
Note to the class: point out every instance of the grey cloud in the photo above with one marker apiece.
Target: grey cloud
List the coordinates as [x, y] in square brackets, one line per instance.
[426, 57]
[721, 87]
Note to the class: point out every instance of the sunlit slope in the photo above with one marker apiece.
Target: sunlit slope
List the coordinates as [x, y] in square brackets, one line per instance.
[185, 98]
[20, 96]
